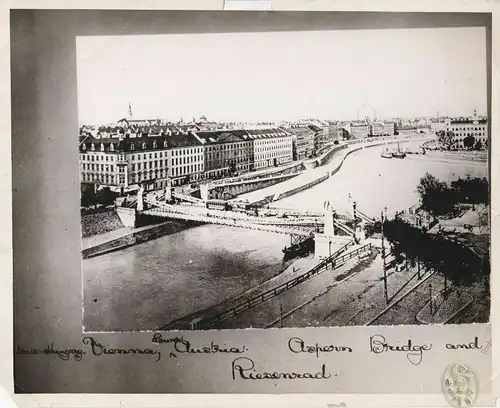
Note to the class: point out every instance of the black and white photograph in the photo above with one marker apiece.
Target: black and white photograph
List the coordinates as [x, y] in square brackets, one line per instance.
[244, 202]
[284, 179]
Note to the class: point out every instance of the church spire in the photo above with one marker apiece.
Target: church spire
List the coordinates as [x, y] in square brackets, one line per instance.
[130, 110]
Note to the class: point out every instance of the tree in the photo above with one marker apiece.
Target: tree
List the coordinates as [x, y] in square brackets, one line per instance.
[469, 141]
[445, 138]
[87, 195]
[375, 228]
[471, 190]
[105, 196]
[478, 145]
[455, 262]
[435, 196]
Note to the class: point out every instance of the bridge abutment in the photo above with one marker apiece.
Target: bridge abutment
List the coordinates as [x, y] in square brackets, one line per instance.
[128, 216]
[326, 245]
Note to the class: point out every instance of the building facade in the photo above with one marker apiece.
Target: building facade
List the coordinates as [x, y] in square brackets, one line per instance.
[319, 137]
[226, 152]
[304, 141]
[186, 159]
[360, 130]
[383, 128]
[271, 147]
[333, 134]
[463, 127]
[126, 163]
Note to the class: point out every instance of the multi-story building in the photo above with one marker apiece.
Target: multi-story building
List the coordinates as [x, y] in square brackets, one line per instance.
[382, 128]
[126, 163]
[463, 127]
[333, 131]
[113, 162]
[272, 147]
[226, 152]
[360, 130]
[186, 158]
[304, 141]
[319, 137]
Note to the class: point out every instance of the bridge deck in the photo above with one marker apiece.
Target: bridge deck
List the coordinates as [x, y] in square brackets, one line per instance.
[298, 225]
[240, 223]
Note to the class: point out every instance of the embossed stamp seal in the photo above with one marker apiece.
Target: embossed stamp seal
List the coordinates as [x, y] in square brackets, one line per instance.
[459, 385]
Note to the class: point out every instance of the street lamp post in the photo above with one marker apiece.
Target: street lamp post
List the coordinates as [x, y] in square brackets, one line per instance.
[355, 226]
[383, 258]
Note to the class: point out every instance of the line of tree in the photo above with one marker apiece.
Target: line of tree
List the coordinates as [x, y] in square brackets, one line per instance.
[440, 198]
[451, 259]
[469, 142]
[445, 138]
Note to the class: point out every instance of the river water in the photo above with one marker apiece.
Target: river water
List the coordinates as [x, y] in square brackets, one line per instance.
[149, 285]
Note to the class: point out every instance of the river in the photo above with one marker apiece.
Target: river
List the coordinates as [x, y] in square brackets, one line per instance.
[151, 284]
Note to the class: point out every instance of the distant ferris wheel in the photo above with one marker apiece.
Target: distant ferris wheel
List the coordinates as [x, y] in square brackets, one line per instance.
[366, 112]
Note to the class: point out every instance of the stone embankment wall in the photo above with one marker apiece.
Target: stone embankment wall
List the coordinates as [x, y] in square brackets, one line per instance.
[326, 158]
[138, 237]
[100, 223]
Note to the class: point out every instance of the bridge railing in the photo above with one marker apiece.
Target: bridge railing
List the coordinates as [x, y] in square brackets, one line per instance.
[364, 217]
[263, 220]
[336, 260]
[280, 229]
[343, 227]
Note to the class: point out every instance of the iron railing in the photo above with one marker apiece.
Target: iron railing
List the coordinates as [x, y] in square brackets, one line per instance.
[335, 260]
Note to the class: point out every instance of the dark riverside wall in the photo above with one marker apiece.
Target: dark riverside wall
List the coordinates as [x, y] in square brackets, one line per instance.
[134, 238]
[100, 222]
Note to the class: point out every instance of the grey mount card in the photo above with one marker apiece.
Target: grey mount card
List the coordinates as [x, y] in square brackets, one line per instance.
[255, 202]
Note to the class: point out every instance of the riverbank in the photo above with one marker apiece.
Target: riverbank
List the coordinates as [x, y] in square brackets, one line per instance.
[443, 155]
[127, 237]
[314, 176]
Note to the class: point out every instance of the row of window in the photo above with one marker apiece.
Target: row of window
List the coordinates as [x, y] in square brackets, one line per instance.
[143, 146]
[180, 171]
[186, 160]
[216, 156]
[138, 177]
[468, 128]
[229, 146]
[268, 163]
[150, 164]
[475, 134]
[271, 154]
[97, 167]
[97, 157]
[102, 178]
[188, 150]
[150, 156]
[274, 148]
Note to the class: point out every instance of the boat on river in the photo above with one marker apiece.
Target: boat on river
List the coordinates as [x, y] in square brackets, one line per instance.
[398, 154]
[386, 154]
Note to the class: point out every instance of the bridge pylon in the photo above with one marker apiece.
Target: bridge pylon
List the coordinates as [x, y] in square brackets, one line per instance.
[168, 190]
[140, 199]
[329, 241]
[329, 226]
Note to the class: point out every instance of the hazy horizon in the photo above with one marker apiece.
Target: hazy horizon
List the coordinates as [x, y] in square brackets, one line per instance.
[274, 76]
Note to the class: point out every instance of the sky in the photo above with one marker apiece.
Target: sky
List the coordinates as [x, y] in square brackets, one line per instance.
[274, 76]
